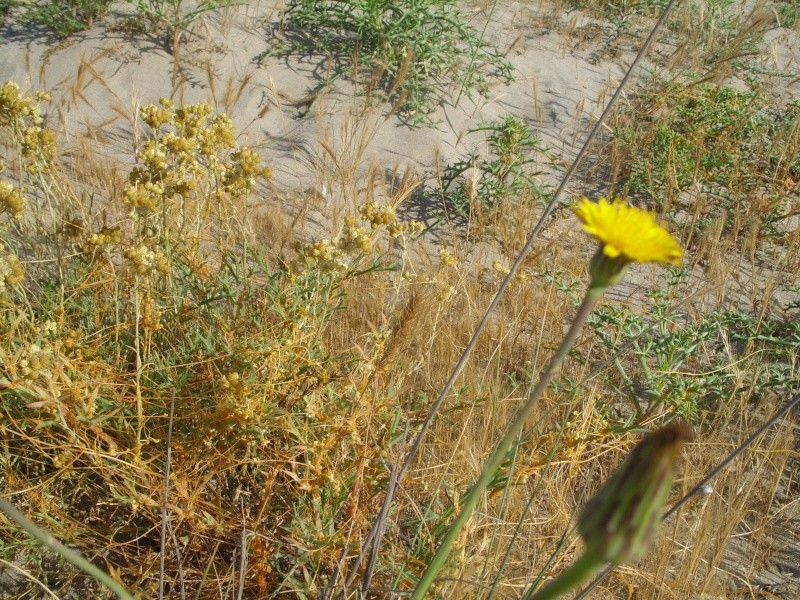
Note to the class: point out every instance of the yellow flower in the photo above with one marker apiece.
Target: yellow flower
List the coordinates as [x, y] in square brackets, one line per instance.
[628, 232]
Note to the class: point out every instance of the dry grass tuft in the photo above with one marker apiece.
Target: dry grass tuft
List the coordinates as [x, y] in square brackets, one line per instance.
[302, 357]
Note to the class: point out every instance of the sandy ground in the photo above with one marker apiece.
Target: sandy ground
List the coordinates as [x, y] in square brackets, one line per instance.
[99, 79]
[564, 75]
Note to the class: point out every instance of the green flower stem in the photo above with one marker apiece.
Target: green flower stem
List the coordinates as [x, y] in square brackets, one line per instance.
[471, 498]
[581, 570]
[48, 541]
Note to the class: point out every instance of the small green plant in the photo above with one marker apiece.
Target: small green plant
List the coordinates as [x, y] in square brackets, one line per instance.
[64, 17]
[5, 9]
[410, 50]
[725, 144]
[662, 352]
[788, 12]
[484, 186]
[724, 35]
[172, 17]
[610, 8]
[620, 15]
[795, 303]
[702, 139]
[683, 365]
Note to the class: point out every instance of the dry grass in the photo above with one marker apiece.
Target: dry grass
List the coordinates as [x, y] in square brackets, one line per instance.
[301, 367]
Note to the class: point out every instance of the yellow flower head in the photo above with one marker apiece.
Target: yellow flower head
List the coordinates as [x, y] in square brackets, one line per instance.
[628, 232]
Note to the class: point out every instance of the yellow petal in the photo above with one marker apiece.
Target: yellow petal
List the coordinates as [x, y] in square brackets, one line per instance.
[628, 231]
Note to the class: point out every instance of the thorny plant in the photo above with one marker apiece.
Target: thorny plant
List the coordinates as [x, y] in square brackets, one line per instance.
[487, 187]
[683, 366]
[411, 51]
[715, 35]
[172, 18]
[720, 148]
[64, 17]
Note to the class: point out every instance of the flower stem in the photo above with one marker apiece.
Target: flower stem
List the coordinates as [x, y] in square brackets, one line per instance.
[504, 445]
[581, 570]
[69, 555]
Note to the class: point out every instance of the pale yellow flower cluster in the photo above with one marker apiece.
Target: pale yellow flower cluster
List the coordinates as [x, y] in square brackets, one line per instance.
[218, 133]
[145, 260]
[34, 362]
[35, 147]
[15, 107]
[22, 115]
[186, 156]
[191, 178]
[231, 381]
[11, 271]
[354, 238]
[379, 216]
[11, 200]
[239, 177]
[334, 255]
[144, 196]
[155, 116]
[106, 236]
[328, 255]
[500, 268]
[37, 144]
[446, 258]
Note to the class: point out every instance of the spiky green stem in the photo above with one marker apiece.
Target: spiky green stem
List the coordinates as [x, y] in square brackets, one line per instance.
[501, 451]
[48, 541]
[580, 571]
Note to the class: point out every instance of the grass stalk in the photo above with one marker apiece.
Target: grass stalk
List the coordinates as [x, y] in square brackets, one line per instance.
[505, 444]
[48, 541]
[165, 498]
[580, 570]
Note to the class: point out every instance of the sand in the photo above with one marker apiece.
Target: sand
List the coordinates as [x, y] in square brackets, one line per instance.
[98, 79]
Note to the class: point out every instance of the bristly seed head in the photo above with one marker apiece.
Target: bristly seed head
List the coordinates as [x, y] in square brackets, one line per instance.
[619, 522]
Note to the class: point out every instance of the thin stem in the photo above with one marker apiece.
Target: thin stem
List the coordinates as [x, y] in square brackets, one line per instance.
[165, 498]
[242, 556]
[581, 570]
[48, 541]
[177, 546]
[504, 445]
[137, 347]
